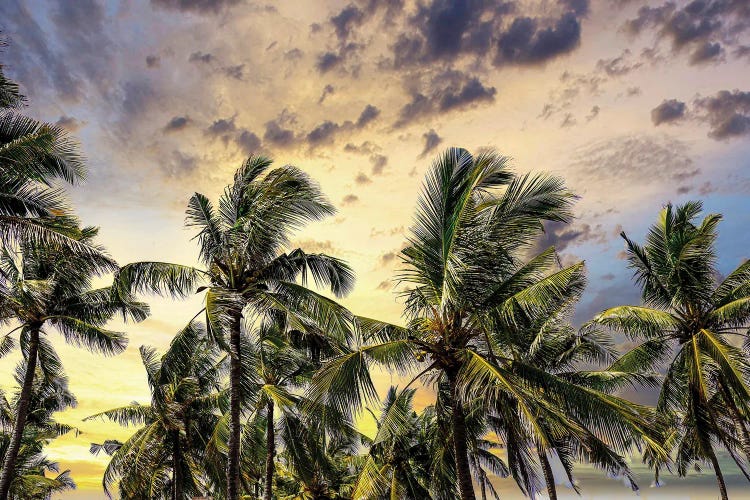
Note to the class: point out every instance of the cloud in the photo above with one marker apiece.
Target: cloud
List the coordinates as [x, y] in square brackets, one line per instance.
[69, 123]
[378, 163]
[323, 133]
[526, 42]
[180, 165]
[707, 52]
[448, 91]
[350, 199]
[561, 235]
[568, 121]
[727, 113]
[237, 71]
[277, 135]
[344, 21]
[327, 61]
[195, 6]
[327, 90]
[153, 61]
[200, 57]
[697, 24]
[669, 111]
[618, 66]
[248, 142]
[595, 110]
[221, 127]
[636, 160]
[431, 141]
[369, 114]
[362, 179]
[176, 124]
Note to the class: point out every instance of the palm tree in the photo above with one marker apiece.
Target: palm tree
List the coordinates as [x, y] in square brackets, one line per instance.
[49, 394]
[33, 155]
[49, 287]
[247, 272]
[690, 319]
[163, 458]
[470, 285]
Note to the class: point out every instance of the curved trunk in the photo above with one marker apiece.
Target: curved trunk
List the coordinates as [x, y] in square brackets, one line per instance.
[177, 467]
[9, 463]
[549, 478]
[235, 377]
[465, 484]
[270, 453]
[719, 475]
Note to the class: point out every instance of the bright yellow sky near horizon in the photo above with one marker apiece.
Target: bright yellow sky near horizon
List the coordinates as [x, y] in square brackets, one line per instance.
[168, 97]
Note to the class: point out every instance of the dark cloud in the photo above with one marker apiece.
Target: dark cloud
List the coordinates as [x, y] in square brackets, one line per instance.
[447, 91]
[277, 135]
[137, 96]
[176, 124]
[431, 141]
[201, 57]
[350, 199]
[195, 6]
[222, 127]
[369, 114]
[248, 142]
[595, 110]
[526, 42]
[697, 24]
[153, 61]
[180, 165]
[379, 163]
[293, 54]
[327, 90]
[364, 148]
[237, 71]
[327, 61]
[323, 133]
[561, 235]
[707, 52]
[69, 123]
[618, 66]
[669, 111]
[633, 91]
[344, 21]
[727, 113]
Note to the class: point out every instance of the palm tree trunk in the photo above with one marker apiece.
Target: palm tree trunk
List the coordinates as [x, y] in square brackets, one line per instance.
[465, 484]
[719, 475]
[270, 453]
[9, 464]
[235, 378]
[177, 467]
[549, 477]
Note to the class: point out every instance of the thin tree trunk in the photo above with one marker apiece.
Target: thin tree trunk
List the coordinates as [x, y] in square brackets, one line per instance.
[549, 477]
[177, 467]
[9, 464]
[270, 453]
[719, 475]
[235, 377]
[465, 484]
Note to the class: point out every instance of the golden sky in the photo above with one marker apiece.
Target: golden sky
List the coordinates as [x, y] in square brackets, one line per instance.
[635, 103]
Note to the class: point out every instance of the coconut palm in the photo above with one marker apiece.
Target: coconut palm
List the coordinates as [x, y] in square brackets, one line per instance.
[33, 155]
[247, 272]
[45, 288]
[163, 458]
[692, 320]
[34, 475]
[470, 283]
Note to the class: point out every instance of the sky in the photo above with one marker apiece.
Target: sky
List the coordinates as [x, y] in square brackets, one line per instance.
[634, 103]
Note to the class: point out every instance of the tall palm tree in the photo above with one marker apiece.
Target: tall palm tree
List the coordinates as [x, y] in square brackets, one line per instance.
[49, 394]
[48, 287]
[470, 282]
[691, 320]
[163, 458]
[33, 155]
[247, 272]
